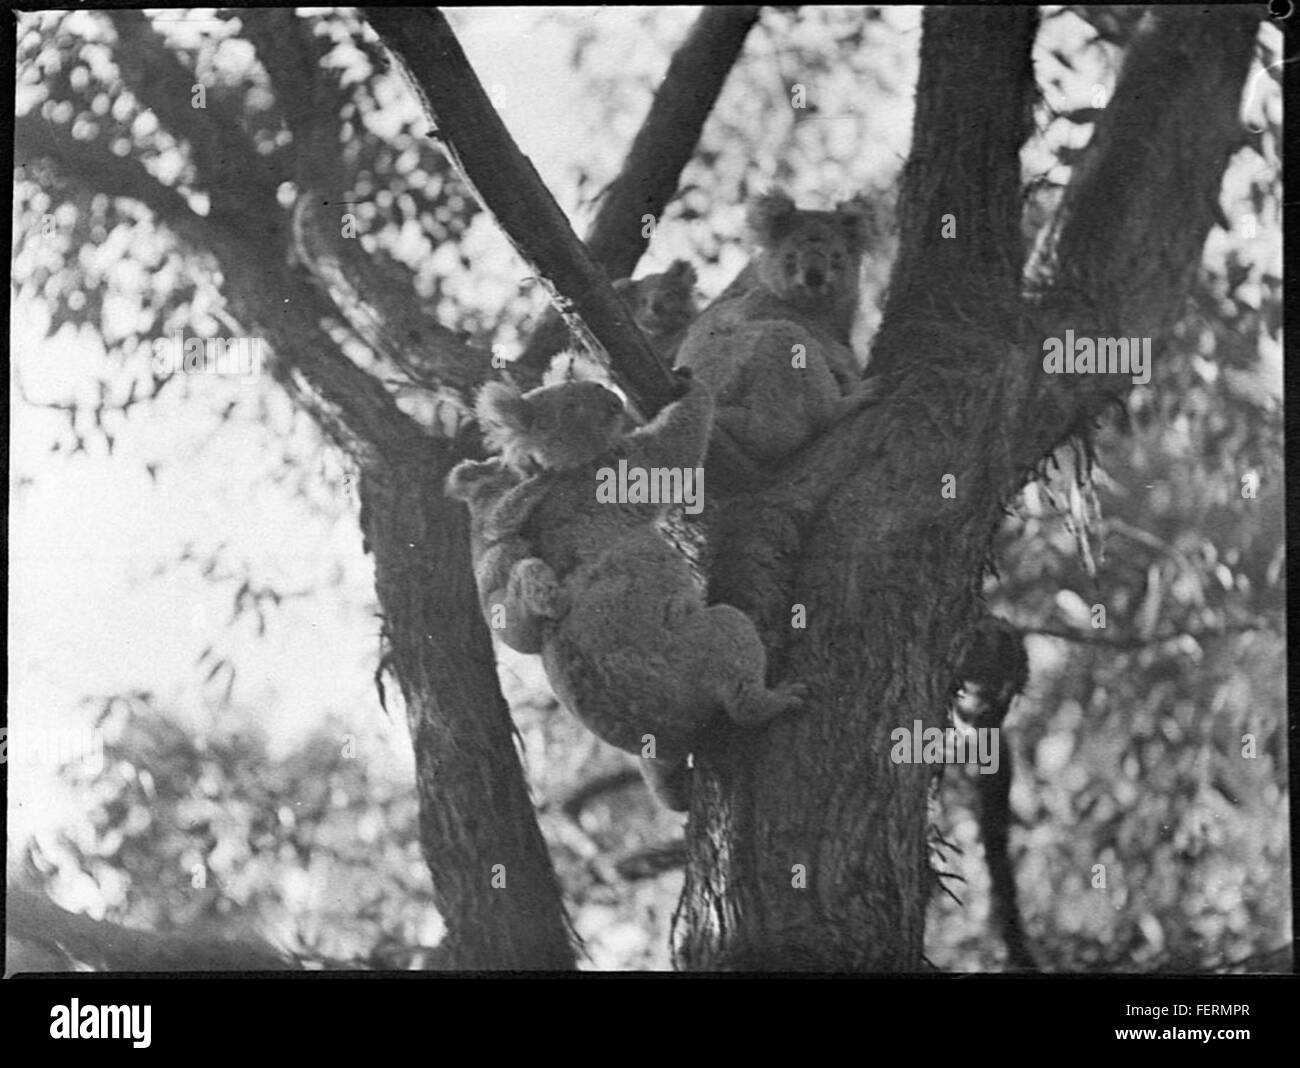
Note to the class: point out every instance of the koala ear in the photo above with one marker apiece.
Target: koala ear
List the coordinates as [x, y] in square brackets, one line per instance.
[466, 476]
[682, 273]
[769, 217]
[502, 413]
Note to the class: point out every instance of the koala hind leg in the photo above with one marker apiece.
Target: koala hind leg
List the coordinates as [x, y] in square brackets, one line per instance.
[736, 664]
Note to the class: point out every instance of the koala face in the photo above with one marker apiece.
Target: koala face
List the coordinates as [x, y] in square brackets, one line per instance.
[661, 303]
[810, 257]
[573, 422]
[554, 427]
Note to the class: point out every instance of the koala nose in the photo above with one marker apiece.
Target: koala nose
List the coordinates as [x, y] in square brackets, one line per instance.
[814, 277]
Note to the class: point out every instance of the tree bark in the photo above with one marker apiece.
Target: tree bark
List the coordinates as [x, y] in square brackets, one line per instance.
[492, 876]
[807, 845]
[477, 821]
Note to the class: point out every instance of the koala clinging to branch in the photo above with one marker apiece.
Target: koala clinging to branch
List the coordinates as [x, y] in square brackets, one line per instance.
[777, 357]
[627, 641]
[663, 305]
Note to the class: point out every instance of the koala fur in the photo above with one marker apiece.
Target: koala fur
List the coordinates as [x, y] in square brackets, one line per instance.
[803, 301]
[662, 305]
[627, 641]
[495, 552]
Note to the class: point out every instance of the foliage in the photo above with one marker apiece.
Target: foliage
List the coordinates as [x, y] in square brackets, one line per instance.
[315, 851]
[1130, 741]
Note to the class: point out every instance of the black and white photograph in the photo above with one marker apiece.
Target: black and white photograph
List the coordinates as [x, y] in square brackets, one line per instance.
[758, 491]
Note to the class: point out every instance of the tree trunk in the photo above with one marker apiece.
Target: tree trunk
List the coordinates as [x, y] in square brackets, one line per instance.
[807, 844]
[492, 877]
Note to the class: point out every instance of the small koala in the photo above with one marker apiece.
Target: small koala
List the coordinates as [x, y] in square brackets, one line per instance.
[662, 305]
[495, 551]
[777, 356]
[627, 641]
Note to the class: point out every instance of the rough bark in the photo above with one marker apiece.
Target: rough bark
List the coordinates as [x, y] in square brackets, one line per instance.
[492, 877]
[855, 530]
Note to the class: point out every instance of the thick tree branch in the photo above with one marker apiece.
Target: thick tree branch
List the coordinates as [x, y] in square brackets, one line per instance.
[1135, 216]
[375, 296]
[960, 254]
[239, 181]
[351, 405]
[380, 303]
[88, 165]
[507, 185]
[857, 536]
[493, 880]
[662, 148]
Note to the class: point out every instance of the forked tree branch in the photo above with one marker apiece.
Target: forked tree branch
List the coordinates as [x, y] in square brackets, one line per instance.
[663, 146]
[351, 406]
[508, 186]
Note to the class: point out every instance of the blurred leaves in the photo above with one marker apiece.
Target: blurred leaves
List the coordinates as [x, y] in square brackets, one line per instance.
[314, 850]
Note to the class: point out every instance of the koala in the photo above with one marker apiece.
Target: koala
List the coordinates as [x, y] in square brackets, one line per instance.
[495, 551]
[777, 356]
[662, 305]
[626, 639]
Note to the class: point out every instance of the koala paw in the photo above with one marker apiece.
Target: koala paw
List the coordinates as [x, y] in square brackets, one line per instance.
[791, 694]
[538, 589]
[757, 704]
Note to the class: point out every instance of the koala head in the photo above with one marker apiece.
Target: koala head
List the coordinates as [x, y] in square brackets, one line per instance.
[661, 303]
[810, 258]
[551, 428]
